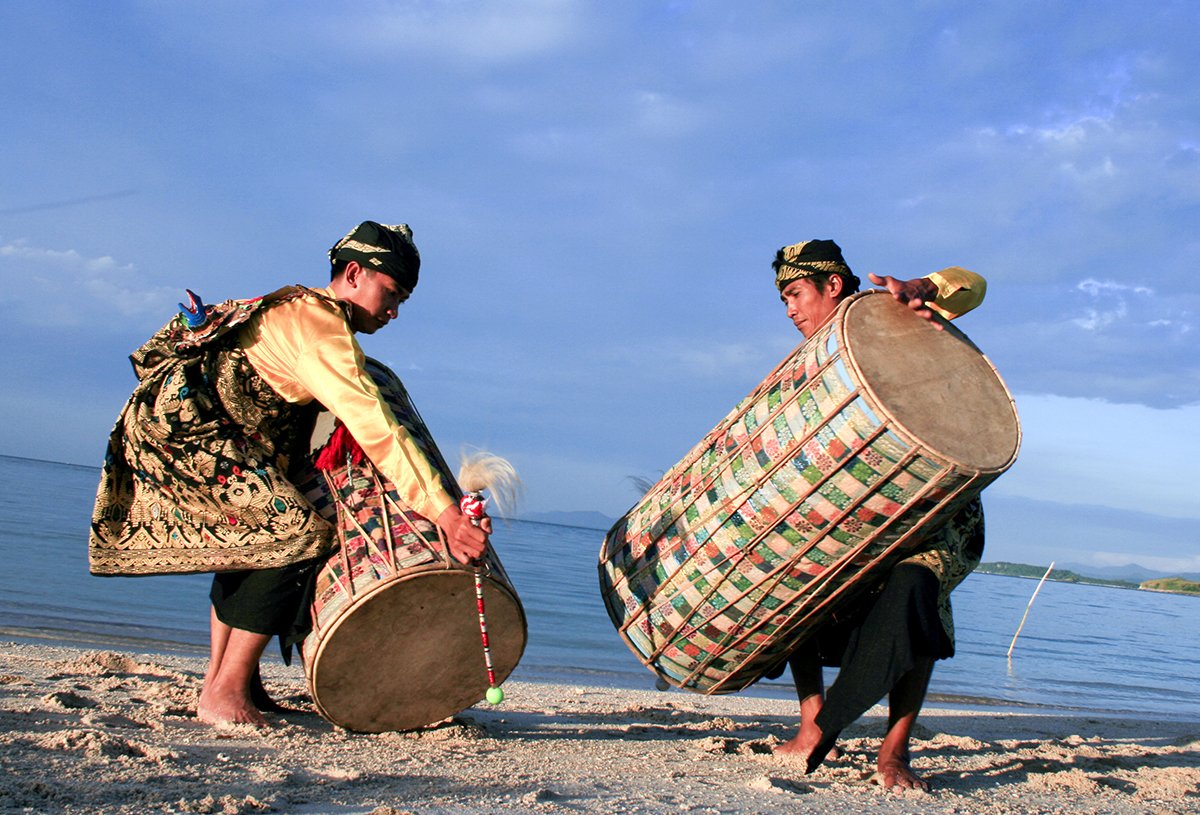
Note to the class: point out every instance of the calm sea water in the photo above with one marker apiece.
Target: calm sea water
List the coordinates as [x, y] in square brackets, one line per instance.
[1088, 648]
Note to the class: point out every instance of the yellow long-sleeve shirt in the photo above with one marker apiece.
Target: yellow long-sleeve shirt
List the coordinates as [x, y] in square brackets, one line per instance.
[304, 349]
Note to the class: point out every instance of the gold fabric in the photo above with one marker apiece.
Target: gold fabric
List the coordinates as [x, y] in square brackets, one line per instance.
[959, 291]
[791, 266]
[951, 554]
[203, 462]
[198, 475]
[304, 352]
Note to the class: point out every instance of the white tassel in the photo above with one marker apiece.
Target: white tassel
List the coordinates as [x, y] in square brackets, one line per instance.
[479, 470]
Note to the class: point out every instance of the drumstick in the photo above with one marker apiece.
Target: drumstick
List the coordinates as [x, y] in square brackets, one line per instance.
[477, 472]
[474, 505]
[495, 695]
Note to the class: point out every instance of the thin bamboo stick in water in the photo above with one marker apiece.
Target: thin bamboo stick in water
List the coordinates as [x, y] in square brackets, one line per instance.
[1012, 644]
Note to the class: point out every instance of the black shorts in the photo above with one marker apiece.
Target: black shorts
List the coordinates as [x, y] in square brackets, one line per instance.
[274, 602]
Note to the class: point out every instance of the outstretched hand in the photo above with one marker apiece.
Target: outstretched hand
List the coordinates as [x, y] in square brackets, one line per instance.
[466, 541]
[915, 294]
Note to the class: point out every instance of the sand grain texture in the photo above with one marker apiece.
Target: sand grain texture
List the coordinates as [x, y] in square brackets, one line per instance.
[106, 732]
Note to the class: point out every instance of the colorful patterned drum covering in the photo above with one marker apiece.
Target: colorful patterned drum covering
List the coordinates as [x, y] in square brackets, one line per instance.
[395, 642]
[862, 442]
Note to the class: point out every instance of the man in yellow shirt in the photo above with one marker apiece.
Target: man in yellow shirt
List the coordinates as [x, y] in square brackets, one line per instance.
[203, 463]
[889, 645]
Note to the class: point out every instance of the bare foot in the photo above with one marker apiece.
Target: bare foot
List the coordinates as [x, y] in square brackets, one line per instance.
[896, 774]
[808, 746]
[263, 701]
[217, 709]
[795, 747]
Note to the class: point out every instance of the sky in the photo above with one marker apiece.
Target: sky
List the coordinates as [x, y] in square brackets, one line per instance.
[597, 190]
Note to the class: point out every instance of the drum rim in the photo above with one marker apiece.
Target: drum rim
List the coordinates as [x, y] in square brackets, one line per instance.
[838, 326]
[311, 661]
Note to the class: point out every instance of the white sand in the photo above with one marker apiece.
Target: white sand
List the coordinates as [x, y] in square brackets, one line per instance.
[105, 732]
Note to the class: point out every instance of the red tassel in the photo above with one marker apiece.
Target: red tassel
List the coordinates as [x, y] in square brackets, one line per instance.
[340, 445]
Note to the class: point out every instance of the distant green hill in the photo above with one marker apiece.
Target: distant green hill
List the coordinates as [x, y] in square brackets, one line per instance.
[1060, 575]
[1175, 585]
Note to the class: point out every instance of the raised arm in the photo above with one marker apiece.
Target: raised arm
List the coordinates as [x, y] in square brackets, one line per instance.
[950, 293]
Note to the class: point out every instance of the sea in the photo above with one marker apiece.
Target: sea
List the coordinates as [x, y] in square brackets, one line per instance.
[1083, 649]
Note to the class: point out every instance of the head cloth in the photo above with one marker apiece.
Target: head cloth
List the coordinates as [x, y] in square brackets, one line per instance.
[809, 258]
[382, 248]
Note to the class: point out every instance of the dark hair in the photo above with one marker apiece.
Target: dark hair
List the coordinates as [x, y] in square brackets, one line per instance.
[850, 281]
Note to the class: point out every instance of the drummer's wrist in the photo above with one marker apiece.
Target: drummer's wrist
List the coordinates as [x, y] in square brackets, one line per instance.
[437, 505]
[929, 290]
[449, 517]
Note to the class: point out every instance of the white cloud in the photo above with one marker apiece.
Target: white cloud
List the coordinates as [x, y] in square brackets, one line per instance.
[61, 287]
[1127, 307]
[1162, 564]
[1097, 287]
[463, 33]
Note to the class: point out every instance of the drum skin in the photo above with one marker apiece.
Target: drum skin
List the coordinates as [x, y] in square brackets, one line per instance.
[396, 643]
[859, 445]
[408, 654]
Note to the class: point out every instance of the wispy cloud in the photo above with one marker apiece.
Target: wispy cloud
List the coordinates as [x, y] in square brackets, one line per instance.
[1113, 305]
[61, 287]
[462, 33]
[1155, 562]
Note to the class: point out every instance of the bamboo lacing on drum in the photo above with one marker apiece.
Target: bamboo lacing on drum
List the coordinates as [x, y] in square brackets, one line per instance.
[742, 552]
[792, 623]
[738, 498]
[739, 634]
[368, 541]
[780, 571]
[717, 433]
[735, 637]
[455, 490]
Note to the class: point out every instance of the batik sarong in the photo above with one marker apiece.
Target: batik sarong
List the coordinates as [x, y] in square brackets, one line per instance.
[200, 467]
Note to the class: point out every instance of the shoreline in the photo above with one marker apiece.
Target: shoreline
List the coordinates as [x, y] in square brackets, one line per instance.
[113, 731]
[778, 689]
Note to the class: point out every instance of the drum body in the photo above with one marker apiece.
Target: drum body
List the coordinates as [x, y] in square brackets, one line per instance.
[860, 444]
[395, 643]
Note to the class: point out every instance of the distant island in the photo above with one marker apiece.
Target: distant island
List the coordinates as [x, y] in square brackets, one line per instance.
[1173, 585]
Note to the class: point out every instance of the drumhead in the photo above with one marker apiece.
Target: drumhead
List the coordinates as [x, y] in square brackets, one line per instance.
[409, 653]
[935, 385]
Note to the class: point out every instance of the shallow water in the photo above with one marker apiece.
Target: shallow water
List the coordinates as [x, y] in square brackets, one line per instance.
[1090, 648]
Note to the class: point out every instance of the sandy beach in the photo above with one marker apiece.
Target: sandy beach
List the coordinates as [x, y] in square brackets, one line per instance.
[95, 731]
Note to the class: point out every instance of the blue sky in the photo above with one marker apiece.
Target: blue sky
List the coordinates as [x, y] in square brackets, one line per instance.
[598, 189]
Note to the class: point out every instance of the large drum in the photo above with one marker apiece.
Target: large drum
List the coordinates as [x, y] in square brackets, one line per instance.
[395, 642]
[861, 443]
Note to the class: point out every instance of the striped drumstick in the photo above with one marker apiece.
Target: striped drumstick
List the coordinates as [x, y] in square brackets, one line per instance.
[480, 471]
[474, 506]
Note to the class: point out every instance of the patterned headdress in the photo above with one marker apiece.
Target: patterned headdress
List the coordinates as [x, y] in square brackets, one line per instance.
[808, 258]
[383, 248]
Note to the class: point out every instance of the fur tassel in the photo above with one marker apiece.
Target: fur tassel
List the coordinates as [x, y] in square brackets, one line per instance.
[479, 470]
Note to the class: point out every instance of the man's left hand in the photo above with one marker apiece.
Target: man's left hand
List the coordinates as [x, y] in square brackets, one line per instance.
[915, 294]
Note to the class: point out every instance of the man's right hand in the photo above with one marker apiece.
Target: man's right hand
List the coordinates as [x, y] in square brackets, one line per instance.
[917, 294]
[467, 542]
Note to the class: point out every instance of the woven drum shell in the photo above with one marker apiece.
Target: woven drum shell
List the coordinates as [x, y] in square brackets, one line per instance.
[396, 643]
[862, 442]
